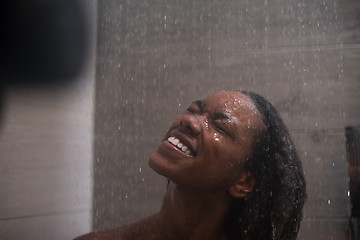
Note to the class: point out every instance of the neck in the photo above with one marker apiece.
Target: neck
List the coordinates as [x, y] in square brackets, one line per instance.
[189, 215]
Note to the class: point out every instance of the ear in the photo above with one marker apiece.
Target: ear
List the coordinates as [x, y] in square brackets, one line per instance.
[243, 186]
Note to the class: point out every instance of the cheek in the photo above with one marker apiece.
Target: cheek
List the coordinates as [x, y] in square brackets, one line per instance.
[173, 125]
[222, 157]
[227, 155]
[217, 137]
[223, 147]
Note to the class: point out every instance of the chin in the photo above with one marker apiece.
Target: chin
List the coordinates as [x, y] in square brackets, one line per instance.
[158, 164]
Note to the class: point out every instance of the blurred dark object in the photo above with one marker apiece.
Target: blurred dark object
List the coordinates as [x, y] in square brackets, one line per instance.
[352, 134]
[42, 41]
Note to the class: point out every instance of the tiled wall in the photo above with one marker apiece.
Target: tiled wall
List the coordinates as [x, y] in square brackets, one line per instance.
[46, 155]
[155, 57]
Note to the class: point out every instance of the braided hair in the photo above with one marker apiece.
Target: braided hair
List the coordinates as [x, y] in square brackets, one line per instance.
[273, 210]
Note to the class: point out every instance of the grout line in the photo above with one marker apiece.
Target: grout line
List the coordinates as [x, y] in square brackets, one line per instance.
[326, 219]
[311, 131]
[309, 48]
[242, 52]
[45, 215]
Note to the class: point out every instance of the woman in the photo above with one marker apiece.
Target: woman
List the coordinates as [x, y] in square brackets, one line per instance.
[233, 174]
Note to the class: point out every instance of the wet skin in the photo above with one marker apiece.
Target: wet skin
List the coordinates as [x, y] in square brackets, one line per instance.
[219, 131]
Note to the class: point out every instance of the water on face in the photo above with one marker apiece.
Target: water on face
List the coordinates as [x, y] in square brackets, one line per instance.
[156, 58]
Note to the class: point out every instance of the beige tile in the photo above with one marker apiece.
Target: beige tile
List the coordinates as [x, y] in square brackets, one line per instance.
[46, 136]
[46, 150]
[57, 227]
[43, 177]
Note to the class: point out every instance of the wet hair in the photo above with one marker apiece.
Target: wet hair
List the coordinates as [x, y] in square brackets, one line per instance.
[273, 210]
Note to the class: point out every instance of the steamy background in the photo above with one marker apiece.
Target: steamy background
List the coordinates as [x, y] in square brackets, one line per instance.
[74, 153]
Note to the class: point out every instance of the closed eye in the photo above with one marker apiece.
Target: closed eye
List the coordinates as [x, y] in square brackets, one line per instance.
[191, 110]
[196, 107]
[225, 127]
[219, 126]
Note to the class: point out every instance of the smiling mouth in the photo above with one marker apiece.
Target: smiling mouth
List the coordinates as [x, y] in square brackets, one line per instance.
[180, 145]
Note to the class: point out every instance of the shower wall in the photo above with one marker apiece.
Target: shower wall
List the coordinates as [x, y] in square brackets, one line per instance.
[155, 57]
[46, 152]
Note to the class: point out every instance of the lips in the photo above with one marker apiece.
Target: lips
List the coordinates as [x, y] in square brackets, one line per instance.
[181, 143]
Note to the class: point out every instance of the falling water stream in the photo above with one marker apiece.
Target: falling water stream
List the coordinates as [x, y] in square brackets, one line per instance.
[154, 58]
[75, 154]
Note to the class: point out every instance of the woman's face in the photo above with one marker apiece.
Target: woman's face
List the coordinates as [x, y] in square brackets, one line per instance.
[206, 147]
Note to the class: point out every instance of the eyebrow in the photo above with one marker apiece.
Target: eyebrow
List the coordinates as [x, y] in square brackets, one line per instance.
[218, 114]
[200, 104]
[222, 115]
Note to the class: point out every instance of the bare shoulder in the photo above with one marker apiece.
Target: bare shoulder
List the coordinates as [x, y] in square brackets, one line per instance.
[143, 229]
[112, 234]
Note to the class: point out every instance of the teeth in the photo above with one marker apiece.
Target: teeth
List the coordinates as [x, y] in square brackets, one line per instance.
[176, 142]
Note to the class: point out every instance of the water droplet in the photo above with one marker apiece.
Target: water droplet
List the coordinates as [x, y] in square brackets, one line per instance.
[206, 123]
[329, 201]
[348, 193]
[139, 169]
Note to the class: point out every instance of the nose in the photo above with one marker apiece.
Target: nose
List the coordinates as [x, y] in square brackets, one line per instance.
[190, 124]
